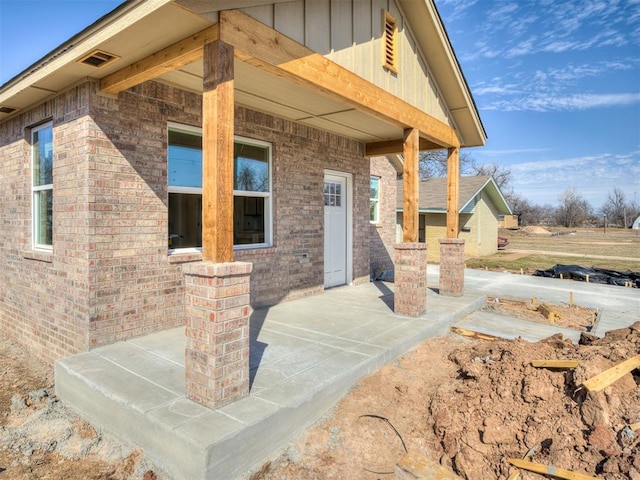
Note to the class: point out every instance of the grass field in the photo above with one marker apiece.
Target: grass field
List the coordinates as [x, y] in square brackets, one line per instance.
[616, 249]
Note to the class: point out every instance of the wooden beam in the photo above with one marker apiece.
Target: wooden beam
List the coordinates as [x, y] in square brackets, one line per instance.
[390, 147]
[170, 58]
[606, 378]
[555, 363]
[262, 46]
[453, 192]
[473, 334]
[411, 184]
[550, 470]
[217, 153]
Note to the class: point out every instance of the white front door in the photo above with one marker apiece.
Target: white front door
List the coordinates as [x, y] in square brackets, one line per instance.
[336, 216]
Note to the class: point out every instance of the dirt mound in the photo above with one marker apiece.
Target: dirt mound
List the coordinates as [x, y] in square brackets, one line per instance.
[500, 407]
[535, 230]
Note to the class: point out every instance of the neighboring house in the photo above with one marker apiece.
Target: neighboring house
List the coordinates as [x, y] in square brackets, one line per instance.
[480, 204]
[508, 221]
[170, 133]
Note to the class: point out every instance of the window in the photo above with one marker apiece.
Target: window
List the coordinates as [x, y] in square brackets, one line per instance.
[374, 196]
[42, 187]
[389, 42]
[252, 190]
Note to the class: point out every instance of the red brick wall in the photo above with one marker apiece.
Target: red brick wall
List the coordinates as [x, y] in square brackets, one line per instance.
[109, 276]
[44, 297]
[383, 234]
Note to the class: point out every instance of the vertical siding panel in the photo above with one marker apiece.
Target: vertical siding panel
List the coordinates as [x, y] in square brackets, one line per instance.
[380, 76]
[342, 32]
[318, 25]
[362, 36]
[289, 19]
[262, 13]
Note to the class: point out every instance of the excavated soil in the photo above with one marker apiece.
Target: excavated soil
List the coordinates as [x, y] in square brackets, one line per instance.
[471, 405]
[40, 439]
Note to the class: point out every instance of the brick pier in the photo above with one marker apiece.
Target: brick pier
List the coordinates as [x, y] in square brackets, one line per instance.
[452, 267]
[217, 329]
[410, 295]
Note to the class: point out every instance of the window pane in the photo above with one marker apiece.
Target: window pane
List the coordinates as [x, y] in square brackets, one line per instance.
[43, 221]
[185, 220]
[374, 185]
[251, 168]
[43, 156]
[185, 159]
[248, 220]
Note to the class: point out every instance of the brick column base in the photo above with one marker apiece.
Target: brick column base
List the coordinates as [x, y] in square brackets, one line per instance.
[410, 279]
[217, 329]
[452, 267]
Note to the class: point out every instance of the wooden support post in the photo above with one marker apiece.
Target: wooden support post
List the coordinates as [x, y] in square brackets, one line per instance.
[411, 184]
[453, 188]
[217, 153]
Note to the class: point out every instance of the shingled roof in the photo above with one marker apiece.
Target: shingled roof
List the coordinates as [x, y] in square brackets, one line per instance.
[433, 194]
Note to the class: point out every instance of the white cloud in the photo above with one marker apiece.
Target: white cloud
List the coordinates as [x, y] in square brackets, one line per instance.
[546, 103]
[592, 176]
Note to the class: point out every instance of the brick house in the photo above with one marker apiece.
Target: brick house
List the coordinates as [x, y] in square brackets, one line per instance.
[178, 147]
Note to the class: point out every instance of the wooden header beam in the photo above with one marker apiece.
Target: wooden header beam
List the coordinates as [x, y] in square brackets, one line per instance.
[174, 56]
[266, 48]
[390, 147]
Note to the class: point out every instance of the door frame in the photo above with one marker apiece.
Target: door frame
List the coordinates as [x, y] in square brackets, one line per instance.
[349, 211]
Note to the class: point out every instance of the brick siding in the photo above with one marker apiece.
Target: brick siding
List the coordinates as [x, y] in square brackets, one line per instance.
[383, 233]
[109, 276]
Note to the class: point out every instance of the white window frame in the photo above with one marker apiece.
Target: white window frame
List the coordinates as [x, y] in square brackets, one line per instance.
[35, 225]
[268, 196]
[268, 225]
[377, 200]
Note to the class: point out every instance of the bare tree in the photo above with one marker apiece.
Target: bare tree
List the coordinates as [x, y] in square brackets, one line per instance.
[573, 209]
[501, 175]
[433, 163]
[618, 210]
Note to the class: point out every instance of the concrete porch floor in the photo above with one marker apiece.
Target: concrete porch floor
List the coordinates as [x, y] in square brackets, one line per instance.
[304, 356]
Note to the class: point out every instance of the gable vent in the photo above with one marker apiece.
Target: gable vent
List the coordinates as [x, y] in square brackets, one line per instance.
[98, 59]
[7, 110]
[389, 44]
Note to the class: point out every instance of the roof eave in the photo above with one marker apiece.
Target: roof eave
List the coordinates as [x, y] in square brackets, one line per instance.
[436, 46]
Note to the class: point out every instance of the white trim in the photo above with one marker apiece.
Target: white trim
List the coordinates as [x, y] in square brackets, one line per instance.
[349, 178]
[378, 221]
[268, 228]
[40, 188]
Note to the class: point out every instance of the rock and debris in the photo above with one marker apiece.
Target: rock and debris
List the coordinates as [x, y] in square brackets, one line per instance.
[473, 405]
[42, 439]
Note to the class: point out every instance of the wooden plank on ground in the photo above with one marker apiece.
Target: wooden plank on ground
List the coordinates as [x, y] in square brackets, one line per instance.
[550, 470]
[473, 334]
[555, 363]
[606, 378]
[415, 466]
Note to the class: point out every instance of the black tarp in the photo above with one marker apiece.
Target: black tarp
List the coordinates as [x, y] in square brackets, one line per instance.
[596, 275]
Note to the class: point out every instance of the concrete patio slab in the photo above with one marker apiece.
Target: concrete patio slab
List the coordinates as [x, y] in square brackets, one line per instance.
[304, 356]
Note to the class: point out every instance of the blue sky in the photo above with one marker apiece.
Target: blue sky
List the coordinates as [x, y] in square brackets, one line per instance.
[557, 82]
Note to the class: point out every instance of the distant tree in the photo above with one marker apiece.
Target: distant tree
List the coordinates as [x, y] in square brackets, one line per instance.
[618, 210]
[501, 175]
[433, 163]
[573, 209]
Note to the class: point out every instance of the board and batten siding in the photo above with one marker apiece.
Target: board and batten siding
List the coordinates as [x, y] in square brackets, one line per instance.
[350, 34]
